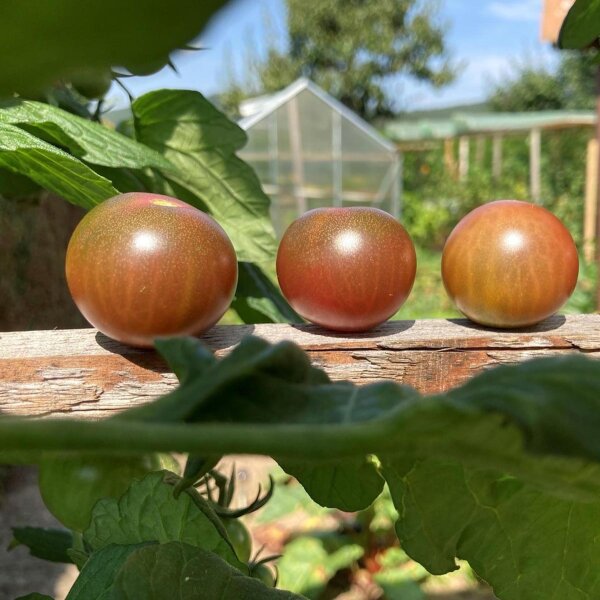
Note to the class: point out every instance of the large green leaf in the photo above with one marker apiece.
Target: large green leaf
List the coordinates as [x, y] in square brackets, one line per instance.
[528, 544]
[257, 299]
[554, 401]
[148, 512]
[306, 567]
[95, 582]
[263, 376]
[178, 570]
[41, 41]
[48, 544]
[52, 168]
[201, 142]
[85, 139]
[348, 485]
[581, 26]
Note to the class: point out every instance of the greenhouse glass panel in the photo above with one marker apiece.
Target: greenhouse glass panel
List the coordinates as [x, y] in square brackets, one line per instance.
[310, 151]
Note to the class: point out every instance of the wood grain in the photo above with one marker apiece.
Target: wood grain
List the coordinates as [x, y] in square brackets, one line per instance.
[82, 373]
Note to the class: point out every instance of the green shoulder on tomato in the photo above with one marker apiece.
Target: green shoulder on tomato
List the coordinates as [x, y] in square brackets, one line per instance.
[71, 484]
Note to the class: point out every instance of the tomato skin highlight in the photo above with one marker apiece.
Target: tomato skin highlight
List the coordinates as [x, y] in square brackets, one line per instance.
[71, 484]
[509, 264]
[346, 269]
[141, 266]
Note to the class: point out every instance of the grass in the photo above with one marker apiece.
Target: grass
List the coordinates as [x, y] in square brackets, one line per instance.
[428, 298]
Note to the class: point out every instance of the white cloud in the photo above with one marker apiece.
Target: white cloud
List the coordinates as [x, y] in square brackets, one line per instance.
[516, 10]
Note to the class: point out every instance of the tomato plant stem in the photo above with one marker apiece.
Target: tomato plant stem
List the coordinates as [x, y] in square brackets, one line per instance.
[285, 441]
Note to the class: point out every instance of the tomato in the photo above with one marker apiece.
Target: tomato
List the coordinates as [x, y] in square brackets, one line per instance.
[93, 83]
[509, 264]
[142, 266]
[264, 573]
[71, 484]
[240, 539]
[346, 269]
[148, 67]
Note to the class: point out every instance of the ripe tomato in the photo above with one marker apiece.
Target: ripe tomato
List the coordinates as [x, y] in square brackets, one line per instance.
[71, 484]
[509, 264]
[141, 266]
[240, 539]
[347, 269]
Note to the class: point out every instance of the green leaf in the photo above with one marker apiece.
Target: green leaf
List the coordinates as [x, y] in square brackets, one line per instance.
[52, 168]
[306, 567]
[85, 139]
[187, 573]
[255, 376]
[95, 581]
[397, 588]
[13, 185]
[35, 596]
[538, 395]
[201, 142]
[148, 512]
[349, 485]
[202, 384]
[47, 544]
[258, 300]
[20, 457]
[188, 358]
[525, 542]
[581, 26]
[399, 577]
[46, 41]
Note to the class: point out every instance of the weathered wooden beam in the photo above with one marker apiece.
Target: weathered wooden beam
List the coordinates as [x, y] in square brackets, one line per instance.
[82, 373]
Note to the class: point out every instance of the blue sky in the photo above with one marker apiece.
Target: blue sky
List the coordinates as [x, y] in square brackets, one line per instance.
[486, 36]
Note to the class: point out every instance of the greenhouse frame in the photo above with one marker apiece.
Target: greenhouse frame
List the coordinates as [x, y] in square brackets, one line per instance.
[309, 150]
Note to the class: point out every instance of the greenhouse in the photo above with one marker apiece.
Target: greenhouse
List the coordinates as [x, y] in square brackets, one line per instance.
[309, 151]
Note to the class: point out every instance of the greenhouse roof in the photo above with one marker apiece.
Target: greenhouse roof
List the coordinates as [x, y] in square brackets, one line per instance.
[406, 130]
[255, 110]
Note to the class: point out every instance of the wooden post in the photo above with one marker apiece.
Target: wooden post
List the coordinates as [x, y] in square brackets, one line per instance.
[497, 156]
[479, 150]
[463, 158]
[591, 190]
[336, 157]
[598, 184]
[397, 185]
[277, 201]
[535, 154]
[449, 160]
[81, 373]
[297, 161]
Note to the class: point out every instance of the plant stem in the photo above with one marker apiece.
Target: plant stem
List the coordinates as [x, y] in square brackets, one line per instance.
[284, 441]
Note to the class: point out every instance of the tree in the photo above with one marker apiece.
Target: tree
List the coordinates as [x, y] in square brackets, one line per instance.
[353, 48]
[533, 88]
